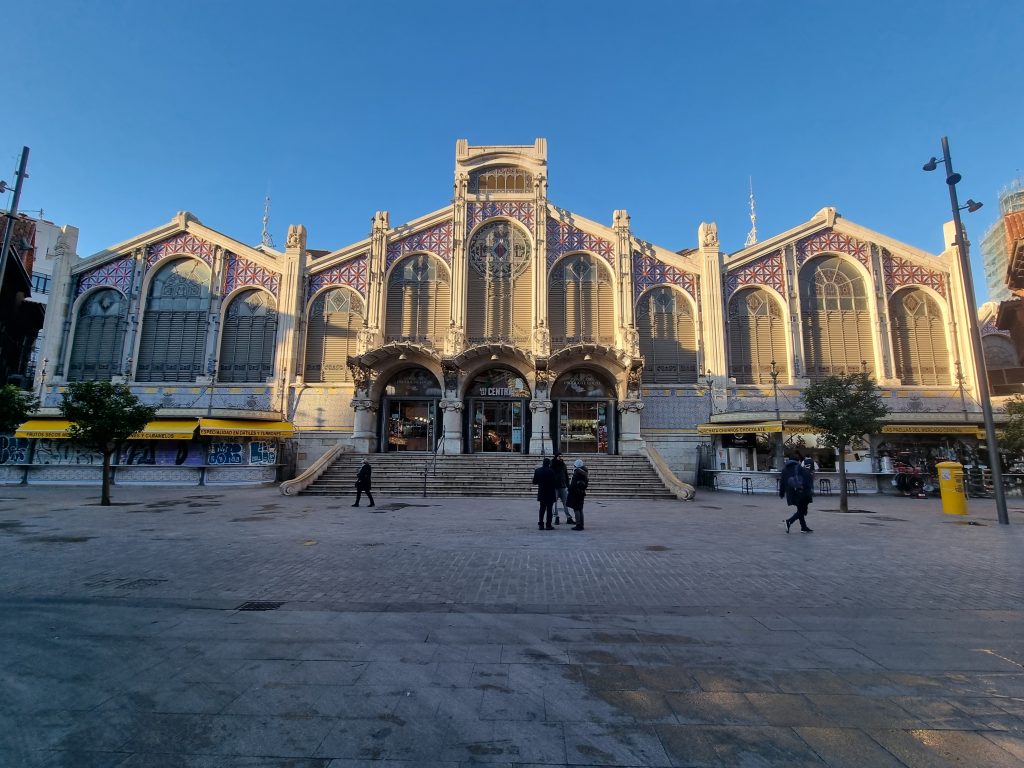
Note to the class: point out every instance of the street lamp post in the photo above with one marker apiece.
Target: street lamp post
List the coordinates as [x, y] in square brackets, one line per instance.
[774, 373]
[13, 212]
[981, 375]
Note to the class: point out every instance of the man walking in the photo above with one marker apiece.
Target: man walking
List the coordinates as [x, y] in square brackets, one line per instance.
[578, 491]
[796, 484]
[544, 479]
[363, 482]
[561, 486]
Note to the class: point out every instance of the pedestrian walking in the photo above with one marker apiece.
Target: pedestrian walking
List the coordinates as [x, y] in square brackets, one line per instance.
[561, 486]
[364, 483]
[578, 491]
[796, 484]
[544, 479]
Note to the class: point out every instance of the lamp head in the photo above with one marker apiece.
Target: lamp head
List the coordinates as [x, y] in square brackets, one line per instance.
[931, 165]
[973, 205]
[953, 179]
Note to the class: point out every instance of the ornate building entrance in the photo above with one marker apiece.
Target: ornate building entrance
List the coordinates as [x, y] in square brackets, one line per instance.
[584, 413]
[409, 411]
[498, 408]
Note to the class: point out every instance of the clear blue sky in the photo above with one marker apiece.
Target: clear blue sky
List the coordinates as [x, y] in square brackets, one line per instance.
[135, 110]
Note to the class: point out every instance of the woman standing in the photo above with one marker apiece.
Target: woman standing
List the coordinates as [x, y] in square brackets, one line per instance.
[578, 491]
[364, 482]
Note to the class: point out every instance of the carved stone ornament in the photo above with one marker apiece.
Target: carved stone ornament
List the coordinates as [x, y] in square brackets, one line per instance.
[544, 377]
[710, 239]
[451, 374]
[631, 406]
[541, 406]
[364, 404]
[634, 379]
[296, 236]
[456, 338]
[541, 338]
[451, 405]
[631, 341]
[362, 375]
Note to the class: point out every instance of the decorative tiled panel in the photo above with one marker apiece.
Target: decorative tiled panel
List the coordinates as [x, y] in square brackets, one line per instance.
[351, 273]
[479, 212]
[436, 240]
[239, 272]
[183, 243]
[900, 272]
[831, 241]
[990, 327]
[116, 274]
[648, 271]
[563, 238]
[767, 270]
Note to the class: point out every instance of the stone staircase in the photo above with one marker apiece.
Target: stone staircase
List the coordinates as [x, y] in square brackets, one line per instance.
[489, 474]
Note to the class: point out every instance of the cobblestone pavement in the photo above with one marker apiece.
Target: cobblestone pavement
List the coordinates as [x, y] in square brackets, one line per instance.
[446, 632]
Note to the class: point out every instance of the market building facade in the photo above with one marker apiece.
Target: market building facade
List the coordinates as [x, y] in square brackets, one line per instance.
[504, 323]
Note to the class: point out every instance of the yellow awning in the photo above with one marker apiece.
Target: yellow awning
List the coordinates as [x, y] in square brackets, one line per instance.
[929, 429]
[167, 429]
[735, 429]
[241, 428]
[43, 428]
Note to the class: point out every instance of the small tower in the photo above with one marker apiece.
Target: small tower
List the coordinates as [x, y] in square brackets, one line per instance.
[752, 234]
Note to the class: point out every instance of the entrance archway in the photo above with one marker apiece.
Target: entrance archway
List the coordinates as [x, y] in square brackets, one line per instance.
[497, 411]
[409, 417]
[583, 416]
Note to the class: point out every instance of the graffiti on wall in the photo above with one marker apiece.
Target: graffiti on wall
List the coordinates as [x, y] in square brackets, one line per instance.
[162, 453]
[224, 453]
[63, 452]
[261, 452]
[13, 450]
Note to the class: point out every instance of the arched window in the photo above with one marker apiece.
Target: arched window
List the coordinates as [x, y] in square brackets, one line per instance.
[419, 301]
[836, 318]
[499, 285]
[919, 339]
[335, 318]
[581, 307]
[99, 337]
[501, 178]
[999, 351]
[248, 340]
[757, 335]
[173, 345]
[668, 339]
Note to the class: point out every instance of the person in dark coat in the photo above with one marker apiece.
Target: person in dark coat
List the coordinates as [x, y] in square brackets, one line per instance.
[544, 479]
[578, 491]
[363, 482]
[796, 483]
[561, 486]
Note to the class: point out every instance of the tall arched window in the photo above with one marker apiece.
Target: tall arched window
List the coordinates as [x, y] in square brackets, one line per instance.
[757, 335]
[581, 306]
[499, 280]
[919, 339]
[173, 345]
[668, 339]
[419, 301]
[248, 340]
[99, 337]
[836, 318]
[335, 318]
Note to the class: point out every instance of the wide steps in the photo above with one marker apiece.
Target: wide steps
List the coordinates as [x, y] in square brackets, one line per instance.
[506, 475]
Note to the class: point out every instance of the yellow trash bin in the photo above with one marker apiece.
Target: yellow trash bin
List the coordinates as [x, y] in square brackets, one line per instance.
[952, 488]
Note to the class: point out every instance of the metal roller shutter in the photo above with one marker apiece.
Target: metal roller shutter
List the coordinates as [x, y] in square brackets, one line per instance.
[756, 337]
[668, 339]
[99, 337]
[919, 339]
[335, 318]
[248, 338]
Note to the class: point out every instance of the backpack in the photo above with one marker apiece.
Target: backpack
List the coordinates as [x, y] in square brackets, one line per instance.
[795, 483]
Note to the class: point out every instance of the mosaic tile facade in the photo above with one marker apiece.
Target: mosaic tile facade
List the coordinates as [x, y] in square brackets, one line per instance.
[116, 274]
[830, 241]
[767, 270]
[989, 327]
[239, 272]
[351, 273]
[900, 272]
[477, 213]
[648, 272]
[564, 238]
[436, 240]
[182, 243]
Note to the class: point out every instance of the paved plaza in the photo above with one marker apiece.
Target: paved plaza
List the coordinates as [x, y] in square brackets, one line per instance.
[446, 632]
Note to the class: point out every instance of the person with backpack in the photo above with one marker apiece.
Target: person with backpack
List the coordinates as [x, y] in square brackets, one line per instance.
[561, 486]
[796, 484]
[578, 491]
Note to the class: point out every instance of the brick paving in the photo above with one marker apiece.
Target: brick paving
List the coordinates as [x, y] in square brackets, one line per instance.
[446, 632]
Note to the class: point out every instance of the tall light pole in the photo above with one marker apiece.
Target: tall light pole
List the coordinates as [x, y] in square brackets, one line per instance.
[9, 229]
[774, 373]
[980, 374]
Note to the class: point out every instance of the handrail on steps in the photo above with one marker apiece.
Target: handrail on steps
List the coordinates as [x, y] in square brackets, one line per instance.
[312, 474]
[682, 490]
[432, 465]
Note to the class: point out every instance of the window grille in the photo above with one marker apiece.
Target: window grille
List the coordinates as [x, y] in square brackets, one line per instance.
[581, 306]
[501, 178]
[419, 301]
[335, 317]
[99, 337]
[499, 285]
[174, 327]
[248, 338]
[919, 339]
[668, 339]
[757, 335]
[836, 319]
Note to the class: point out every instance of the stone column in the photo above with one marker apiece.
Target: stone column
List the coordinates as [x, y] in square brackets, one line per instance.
[628, 339]
[452, 426]
[291, 313]
[57, 316]
[631, 442]
[376, 287]
[540, 435]
[364, 432]
[540, 260]
[712, 313]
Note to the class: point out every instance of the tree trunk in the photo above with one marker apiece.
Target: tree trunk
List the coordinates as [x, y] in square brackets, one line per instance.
[842, 479]
[105, 494]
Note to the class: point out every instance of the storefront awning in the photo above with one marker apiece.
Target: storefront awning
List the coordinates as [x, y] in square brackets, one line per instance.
[43, 428]
[733, 429]
[167, 429]
[930, 429]
[240, 428]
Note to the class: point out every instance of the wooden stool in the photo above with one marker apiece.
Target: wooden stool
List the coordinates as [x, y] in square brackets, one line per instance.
[824, 486]
[746, 485]
[851, 487]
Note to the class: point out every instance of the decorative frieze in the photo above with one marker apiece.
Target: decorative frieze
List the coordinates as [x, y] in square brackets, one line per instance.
[564, 238]
[239, 272]
[116, 274]
[351, 273]
[185, 243]
[766, 270]
[477, 213]
[436, 240]
[902, 272]
[830, 241]
[648, 272]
